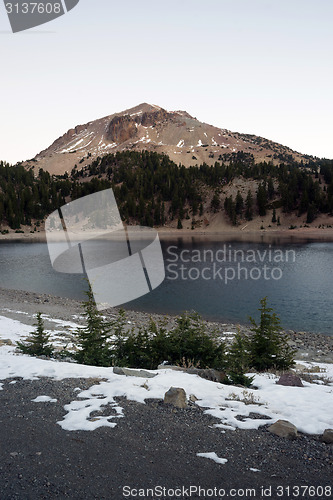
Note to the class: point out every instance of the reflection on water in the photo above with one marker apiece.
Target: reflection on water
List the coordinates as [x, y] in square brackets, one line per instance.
[222, 280]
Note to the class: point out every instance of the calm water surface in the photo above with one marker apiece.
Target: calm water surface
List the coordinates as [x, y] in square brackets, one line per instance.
[222, 281]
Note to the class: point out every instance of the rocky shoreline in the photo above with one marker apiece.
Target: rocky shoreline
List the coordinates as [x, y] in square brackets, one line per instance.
[225, 233]
[313, 347]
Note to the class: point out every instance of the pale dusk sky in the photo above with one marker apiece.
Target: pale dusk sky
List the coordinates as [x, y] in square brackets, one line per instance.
[254, 66]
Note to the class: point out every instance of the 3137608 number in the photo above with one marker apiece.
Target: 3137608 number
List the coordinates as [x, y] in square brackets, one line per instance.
[33, 8]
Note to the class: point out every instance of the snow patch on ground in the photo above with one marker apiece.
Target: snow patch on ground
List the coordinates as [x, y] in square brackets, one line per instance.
[213, 456]
[5, 309]
[60, 322]
[44, 399]
[11, 329]
[85, 145]
[70, 148]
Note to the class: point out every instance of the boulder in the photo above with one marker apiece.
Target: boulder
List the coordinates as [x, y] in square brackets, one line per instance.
[176, 396]
[207, 373]
[133, 373]
[283, 428]
[290, 380]
[327, 437]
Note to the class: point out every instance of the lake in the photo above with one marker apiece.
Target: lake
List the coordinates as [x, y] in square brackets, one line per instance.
[222, 280]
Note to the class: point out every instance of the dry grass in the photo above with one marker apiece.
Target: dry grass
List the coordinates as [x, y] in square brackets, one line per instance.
[247, 398]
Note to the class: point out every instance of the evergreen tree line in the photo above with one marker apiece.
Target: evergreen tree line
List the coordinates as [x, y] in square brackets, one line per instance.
[25, 198]
[187, 344]
[150, 189]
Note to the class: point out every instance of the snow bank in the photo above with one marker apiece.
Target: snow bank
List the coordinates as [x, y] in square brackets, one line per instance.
[310, 408]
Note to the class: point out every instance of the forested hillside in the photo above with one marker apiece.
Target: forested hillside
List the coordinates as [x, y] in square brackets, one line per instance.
[152, 190]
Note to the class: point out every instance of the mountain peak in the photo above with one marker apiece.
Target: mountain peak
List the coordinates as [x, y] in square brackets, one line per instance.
[183, 138]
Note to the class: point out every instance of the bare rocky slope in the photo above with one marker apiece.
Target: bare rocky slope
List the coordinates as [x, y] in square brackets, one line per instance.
[148, 127]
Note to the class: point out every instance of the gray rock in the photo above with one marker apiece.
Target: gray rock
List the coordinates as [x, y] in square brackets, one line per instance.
[176, 396]
[327, 437]
[171, 367]
[133, 373]
[283, 428]
[206, 373]
[290, 380]
[5, 342]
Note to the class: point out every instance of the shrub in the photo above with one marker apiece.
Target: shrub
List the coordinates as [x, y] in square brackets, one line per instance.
[189, 340]
[187, 343]
[131, 349]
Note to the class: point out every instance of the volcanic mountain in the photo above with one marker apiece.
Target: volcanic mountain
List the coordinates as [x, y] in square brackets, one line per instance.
[183, 138]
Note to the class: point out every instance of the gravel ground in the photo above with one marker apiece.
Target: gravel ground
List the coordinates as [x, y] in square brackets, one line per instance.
[154, 445]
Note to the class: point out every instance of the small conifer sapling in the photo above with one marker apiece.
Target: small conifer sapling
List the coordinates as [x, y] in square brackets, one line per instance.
[38, 344]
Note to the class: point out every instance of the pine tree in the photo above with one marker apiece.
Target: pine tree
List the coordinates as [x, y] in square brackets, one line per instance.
[93, 338]
[262, 199]
[238, 360]
[249, 206]
[121, 344]
[163, 214]
[215, 203]
[157, 214]
[269, 346]
[38, 342]
[311, 214]
[230, 208]
[239, 203]
[270, 188]
[201, 210]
